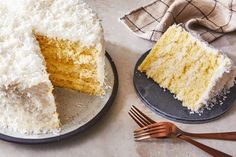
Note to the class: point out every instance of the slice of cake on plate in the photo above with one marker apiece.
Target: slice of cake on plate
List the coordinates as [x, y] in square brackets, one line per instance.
[45, 43]
[188, 68]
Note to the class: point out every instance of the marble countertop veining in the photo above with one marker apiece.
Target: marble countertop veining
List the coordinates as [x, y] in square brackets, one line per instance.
[112, 136]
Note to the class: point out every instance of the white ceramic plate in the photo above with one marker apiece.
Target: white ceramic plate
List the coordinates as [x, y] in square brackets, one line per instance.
[77, 111]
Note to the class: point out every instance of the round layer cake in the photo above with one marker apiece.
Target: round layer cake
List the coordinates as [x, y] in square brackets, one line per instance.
[46, 43]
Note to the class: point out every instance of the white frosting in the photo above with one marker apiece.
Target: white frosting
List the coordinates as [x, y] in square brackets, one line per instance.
[26, 102]
[21, 61]
[31, 111]
[70, 19]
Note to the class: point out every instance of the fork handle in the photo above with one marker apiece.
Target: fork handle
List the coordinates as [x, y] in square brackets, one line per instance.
[220, 136]
[209, 150]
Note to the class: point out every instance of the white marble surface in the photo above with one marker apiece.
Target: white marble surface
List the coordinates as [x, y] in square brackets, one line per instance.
[112, 136]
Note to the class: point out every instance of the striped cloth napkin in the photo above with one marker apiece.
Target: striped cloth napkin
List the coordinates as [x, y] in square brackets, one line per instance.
[209, 19]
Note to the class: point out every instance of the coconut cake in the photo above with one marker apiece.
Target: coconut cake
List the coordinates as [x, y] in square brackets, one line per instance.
[189, 68]
[45, 44]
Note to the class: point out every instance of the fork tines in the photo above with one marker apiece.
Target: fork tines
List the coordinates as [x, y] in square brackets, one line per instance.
[140, 118]
[151, 131]
[150, 128]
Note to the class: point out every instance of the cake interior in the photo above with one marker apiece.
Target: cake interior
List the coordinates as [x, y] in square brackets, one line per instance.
[71, 65]
[183, 65]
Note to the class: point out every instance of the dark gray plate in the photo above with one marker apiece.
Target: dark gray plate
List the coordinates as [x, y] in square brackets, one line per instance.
[164, 103]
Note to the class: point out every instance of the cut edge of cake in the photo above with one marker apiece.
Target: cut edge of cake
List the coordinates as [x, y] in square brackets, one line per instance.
[223, 78]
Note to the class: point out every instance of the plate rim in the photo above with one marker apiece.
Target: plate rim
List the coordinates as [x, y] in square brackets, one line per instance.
[80, 129]
[167, 116]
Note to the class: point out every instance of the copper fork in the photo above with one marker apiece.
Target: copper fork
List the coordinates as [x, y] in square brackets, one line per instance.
[142, 120]
[157, 129]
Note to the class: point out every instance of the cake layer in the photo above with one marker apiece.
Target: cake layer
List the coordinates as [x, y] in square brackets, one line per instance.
[73, 77]
[187, 67]
[69, 64]
[76, 84]
[83, 72]
[66, 51]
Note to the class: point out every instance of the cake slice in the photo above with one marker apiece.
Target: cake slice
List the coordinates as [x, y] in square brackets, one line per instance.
[188, 68]
[27, 104]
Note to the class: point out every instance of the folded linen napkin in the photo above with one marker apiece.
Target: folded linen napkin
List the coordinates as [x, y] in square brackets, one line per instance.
[209, 19]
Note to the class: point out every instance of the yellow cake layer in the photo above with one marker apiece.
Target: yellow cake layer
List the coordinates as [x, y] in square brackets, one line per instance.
[66, 50]
[89, 87]
[180, 64]
[81, 71]
[70, 65]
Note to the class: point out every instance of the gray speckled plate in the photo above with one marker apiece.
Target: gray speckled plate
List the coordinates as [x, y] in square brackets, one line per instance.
[163, 102]
[77, 111]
